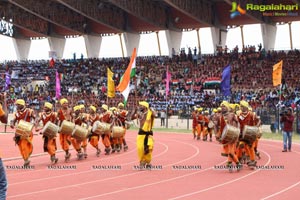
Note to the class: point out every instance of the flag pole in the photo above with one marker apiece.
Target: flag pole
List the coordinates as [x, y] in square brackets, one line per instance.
[135, 90]
[167, 111]
[279, 108]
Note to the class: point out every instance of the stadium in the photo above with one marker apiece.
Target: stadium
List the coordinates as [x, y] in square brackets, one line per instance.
[183, 85]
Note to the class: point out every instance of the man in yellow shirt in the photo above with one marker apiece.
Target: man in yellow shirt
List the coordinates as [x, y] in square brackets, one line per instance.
[145, 141]
[3, 180]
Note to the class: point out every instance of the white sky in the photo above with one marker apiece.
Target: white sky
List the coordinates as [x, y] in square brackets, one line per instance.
[111, 47]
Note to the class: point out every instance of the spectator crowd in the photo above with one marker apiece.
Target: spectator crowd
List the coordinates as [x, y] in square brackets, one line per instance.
[86, 80]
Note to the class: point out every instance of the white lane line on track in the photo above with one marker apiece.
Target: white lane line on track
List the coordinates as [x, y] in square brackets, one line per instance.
[76, 185]
[111, 178]
[286, 189]
[281, 191]
[154, 183]
[82, 172]
[223, 184]
[77, 163]
[244, 176]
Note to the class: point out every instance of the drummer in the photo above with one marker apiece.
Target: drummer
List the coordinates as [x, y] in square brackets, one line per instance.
[217, 128]
[84, 116]
[246, 117]
[77, 119]
[206, 130]
[114, 142]
[195, 121]
[64, 113]
[122, 115]
[106, 117]
[228, 118]
[49, 142]
[24, 144]
[91, 119]
[200, 120]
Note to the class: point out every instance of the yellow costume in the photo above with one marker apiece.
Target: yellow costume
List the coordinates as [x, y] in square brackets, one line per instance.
[145, 140]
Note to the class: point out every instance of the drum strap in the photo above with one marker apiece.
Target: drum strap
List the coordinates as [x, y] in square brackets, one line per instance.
[26, 115]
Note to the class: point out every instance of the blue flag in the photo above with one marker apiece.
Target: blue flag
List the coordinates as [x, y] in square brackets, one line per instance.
[225, 83]
[7, 80]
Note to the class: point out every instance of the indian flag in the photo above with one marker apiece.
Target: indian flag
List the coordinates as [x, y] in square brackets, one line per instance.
[189, 81]
[123, 86]
[212, 81]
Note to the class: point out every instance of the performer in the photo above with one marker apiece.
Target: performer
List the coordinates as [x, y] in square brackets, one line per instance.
[206, 130]
[115, 143]
[106, 117]
[257, 153]
[3, 119]
[24, 144]
[247, 117]
[229, 149]
[122, 116]
[195, 122]
[84, 117]
[145, 141]
[64, 113]
[78, 119]
[94, 138]
[200, 120]
[217, 128]
[49, 142]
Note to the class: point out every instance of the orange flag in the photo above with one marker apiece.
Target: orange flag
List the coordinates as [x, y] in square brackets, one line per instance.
[277, 73]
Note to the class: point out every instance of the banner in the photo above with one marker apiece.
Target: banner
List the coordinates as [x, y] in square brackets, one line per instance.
[277, 73]
[225, 83]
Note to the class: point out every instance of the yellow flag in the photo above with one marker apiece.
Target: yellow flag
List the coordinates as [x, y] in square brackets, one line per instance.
[277, 73]
[110, 84]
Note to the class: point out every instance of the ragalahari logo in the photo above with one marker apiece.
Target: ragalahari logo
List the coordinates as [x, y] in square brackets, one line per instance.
[236, 10]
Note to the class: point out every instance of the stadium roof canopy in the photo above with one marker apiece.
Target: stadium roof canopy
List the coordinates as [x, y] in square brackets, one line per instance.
[60, 18]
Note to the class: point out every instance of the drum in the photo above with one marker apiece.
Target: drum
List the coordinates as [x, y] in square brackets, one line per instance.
[117, 132]
[250, 133]
[211, 124]
[230, 134]
[24, 129]
[50, 130]
[80, 133]
[101, 128]
[86, 126]
[128, 124]
[259, 133]
[67, 127]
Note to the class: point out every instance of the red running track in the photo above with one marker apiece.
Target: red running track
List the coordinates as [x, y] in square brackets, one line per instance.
[169, 179]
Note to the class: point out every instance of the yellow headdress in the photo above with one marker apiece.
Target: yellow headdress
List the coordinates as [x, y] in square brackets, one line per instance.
[76, 108]
[244, 103]
[112, 108]
[120, 105]
[48, 105]
[81, 106]
[226, 104]
[105, 107]
[20, 102]
[62, 101]
[232, 106]
[144, 103]
[93, 108]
